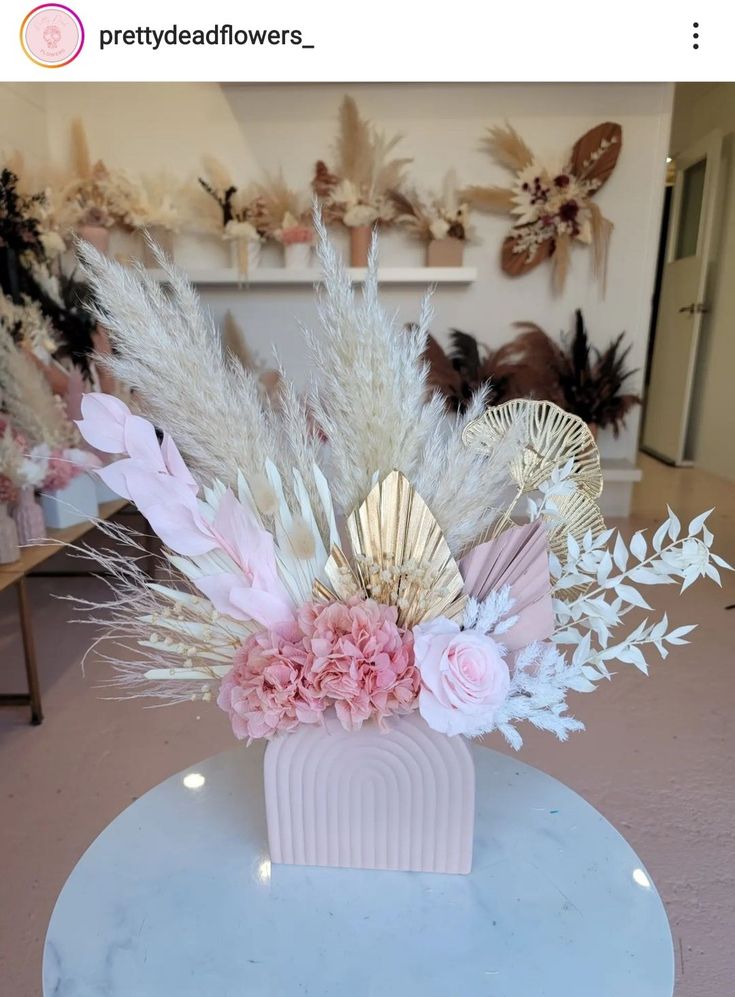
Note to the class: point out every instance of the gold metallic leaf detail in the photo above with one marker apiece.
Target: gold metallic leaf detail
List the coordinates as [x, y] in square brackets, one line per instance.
[547, 438]
[576, 514]
[400, 554]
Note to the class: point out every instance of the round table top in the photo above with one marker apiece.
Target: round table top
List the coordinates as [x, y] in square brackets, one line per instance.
[177, 898]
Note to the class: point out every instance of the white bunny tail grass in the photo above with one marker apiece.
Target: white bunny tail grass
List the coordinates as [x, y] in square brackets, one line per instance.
[146, 626]
[370, 379]
[168, 350]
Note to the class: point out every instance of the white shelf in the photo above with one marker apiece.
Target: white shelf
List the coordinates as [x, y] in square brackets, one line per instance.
[619, 470]
[263, 276]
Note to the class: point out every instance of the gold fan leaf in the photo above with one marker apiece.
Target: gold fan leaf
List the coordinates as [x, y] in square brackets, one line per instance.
[547, 438]
[401, 556]
[576, 514]
[345, 583]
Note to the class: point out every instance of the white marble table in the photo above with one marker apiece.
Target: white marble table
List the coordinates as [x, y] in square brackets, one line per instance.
[177, 898]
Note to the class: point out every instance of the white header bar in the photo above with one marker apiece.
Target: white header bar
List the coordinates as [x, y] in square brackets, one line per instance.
[376, 40]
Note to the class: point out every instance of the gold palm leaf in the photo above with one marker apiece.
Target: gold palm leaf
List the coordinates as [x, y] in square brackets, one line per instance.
[547, 438]
[576, 514]
[400, 556]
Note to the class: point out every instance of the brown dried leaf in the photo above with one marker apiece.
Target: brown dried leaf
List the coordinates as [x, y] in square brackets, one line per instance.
[584, 166]
[516, 264]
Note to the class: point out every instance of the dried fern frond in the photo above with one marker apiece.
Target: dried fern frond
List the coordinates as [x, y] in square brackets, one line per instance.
[508, 148]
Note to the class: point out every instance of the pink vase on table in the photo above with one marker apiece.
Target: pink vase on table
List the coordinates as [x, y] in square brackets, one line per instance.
[28, 517]
[9, 550]
[367, 799]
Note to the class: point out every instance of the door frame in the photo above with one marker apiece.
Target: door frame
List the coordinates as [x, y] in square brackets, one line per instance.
[709, 147]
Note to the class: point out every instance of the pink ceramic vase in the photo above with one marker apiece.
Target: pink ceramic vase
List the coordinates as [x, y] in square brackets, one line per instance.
[28, 517]
[9, 550]
[367, 799]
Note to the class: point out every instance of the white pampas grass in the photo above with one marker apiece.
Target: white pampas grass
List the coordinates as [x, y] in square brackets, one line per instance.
[370, 381]
[168, 350]
[370, 397]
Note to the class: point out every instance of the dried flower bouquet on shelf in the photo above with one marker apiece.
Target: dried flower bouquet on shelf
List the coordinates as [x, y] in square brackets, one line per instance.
[472, 556]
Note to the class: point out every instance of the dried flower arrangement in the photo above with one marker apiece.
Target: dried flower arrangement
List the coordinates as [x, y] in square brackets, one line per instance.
[95, 197]
[575, 376]
[243, 217]
[288, 211]
[551, 203]
[434, 597]
[39, 415]
[21, 466]
[358, 192]
[433, 216]
[589, 381]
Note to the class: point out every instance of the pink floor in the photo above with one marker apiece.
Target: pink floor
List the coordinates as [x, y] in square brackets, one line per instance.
[657, 760]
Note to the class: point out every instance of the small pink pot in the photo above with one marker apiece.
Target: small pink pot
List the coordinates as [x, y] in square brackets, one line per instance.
[360, 239]
[28, 517]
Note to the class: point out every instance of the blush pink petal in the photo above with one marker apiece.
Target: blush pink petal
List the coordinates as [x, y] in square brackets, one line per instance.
[102, 423]
[141, 443]
[519, 558]
[175, 463]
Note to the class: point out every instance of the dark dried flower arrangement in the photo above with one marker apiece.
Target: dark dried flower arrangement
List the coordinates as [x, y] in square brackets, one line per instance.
[576, 376]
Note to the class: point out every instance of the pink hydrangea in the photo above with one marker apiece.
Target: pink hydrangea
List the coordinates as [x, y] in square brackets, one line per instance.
[352, 656]
[264, 693]
[61, 470]
[359, 659]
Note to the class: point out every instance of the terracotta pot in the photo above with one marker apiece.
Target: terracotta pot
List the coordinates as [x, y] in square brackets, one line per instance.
[9, 550]
[360, 239]
[164, 239]
[445, 253]
[297, 256]
[28, 517]
[367, 799]
[97, 235]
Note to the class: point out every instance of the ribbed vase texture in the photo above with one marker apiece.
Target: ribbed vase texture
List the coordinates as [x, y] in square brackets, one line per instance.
[366, 799]
[28, 517]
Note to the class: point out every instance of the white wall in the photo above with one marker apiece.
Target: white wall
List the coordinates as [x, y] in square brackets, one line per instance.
[698, 110]
[146, 127]
[23, 125]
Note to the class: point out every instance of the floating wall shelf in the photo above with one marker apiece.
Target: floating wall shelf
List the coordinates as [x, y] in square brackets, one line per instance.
[263, 276]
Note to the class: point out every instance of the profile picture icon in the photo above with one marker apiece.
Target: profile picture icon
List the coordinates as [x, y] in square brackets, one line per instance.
[52, 35]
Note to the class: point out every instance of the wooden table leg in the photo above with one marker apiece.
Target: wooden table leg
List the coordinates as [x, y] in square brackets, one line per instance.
[29, 652]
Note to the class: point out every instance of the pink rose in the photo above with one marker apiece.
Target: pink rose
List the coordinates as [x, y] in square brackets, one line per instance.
[464, 678]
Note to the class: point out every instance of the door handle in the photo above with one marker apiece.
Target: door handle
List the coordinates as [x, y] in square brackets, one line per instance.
[688, 308]
[700, 308]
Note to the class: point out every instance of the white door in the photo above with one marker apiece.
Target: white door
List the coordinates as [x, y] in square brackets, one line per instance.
[683, 304]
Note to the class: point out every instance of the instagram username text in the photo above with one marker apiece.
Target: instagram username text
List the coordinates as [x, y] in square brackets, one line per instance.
[219, 34]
